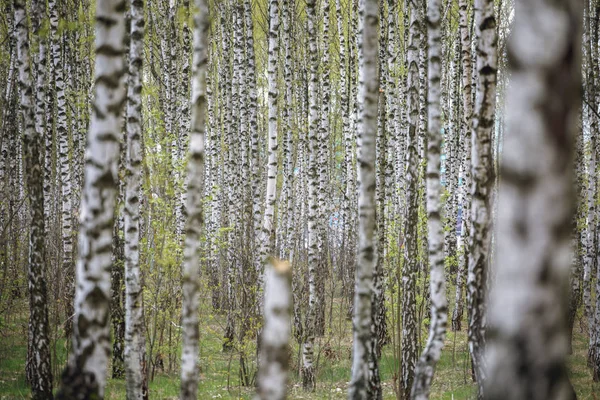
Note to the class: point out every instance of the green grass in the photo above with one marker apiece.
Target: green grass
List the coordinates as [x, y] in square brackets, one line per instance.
[219, 371]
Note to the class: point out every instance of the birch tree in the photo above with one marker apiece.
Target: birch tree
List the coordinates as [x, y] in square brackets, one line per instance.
[527, 349]
[267, 243]
[39, 341]
[464, 196]
[62, 133]
[437, 282]
[195, 218]
[364, 343]
[272, 379]
[483, 178]
[409, 266]
[591, 261]
[308, 372]
[85, 375]
[135, 341]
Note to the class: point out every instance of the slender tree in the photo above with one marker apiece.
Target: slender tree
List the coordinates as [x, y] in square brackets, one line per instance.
[437, 282]
[40, 376]
[591, 266]
[483, 179]
[364, 343]
[135, 340]
[308, 372]
[464, 196]
[409, 266]
[195, 219]
[268, 237]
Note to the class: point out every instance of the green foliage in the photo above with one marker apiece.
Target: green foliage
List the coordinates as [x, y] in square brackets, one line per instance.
[219, 378]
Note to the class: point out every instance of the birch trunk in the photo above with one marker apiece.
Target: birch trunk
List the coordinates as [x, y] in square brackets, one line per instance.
[576, 266]
[273, 374]
[135, 340]
[452, 146]
[195, 219]
[289, 229]
[409, 267]
[527, 349]
[594, 211]
[268, 242]
[62, 134]
[483, 179]
[364, 342]
[308, 371]
[39, 341]
[437, 282]
[465, 202]
[592, 229]
[85, 375]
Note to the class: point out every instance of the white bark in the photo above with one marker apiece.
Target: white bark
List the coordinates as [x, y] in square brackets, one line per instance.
[135, 340]
[268, 242]
[368, 85]
[527, 348]
[464, 194]
[39, 374]
[409, 267]
[308, 372]
[483, 179]
[91, 341]
[273, 374]
[195, 219]
[437, 282]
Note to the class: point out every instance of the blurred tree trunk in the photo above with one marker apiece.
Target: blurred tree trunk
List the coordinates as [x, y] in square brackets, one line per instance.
[85, 374]
[527, 347]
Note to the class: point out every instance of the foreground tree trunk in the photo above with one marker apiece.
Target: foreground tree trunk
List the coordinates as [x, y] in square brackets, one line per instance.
[195, 218]
[40, 377]
[483, 179]
[135, 340]
[410, 267]
[308, 369]
[364, 344]
[527, 313]
[437, 282]
[272, 378]
[85, 376]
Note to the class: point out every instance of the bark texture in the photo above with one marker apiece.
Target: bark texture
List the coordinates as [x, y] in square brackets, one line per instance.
[437, 282]
[40, 374]
[482, 172]
[364, 344]
[194, 227]
[409, 266]
[135, 340]
[308, 371]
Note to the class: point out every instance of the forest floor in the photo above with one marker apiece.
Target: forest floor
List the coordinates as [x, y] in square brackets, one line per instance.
[219, 371]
